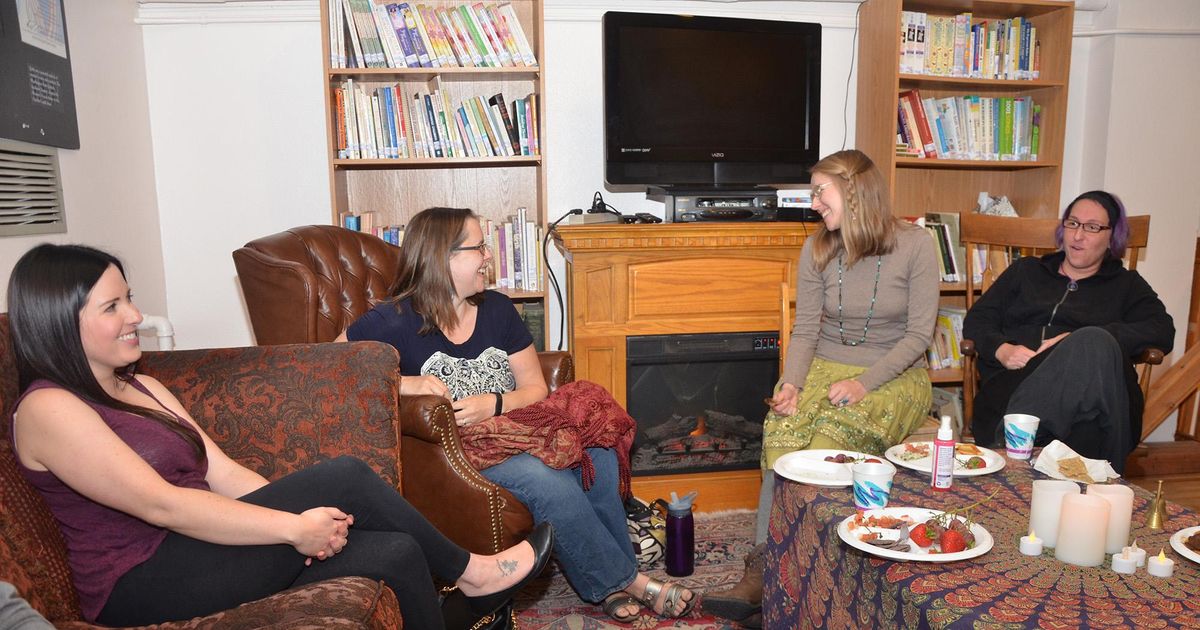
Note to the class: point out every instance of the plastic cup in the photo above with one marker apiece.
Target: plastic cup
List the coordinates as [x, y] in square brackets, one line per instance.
[872, 483]
[1019, 431]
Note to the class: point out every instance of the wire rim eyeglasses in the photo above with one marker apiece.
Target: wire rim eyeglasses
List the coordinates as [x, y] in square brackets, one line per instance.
[481, 248]
[1091, 228]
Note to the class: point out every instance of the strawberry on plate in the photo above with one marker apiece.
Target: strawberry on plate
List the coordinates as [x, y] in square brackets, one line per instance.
[952, 541]
[922, 535]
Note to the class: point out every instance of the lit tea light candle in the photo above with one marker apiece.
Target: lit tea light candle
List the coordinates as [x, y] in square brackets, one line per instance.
[1137, 553]
[1124, 562]
[1031, 545]
[1160, 565]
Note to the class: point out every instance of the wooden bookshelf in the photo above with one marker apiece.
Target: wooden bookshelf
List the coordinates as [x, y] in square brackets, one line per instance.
[494, 187]
[920, 185]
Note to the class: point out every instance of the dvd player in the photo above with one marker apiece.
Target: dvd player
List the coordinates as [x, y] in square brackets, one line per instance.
[689, 206]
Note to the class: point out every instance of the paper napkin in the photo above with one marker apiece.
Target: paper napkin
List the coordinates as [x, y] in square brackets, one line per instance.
[1048, 462]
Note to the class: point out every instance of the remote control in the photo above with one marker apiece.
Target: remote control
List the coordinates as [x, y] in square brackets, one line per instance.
[646, 217]
[628, 218]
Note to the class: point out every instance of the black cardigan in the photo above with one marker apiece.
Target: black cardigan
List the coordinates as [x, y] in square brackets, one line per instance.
[1019, 304]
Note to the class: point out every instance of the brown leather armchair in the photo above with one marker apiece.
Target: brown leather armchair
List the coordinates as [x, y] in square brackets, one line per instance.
[307, 285]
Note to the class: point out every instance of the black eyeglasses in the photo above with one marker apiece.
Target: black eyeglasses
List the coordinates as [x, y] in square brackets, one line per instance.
[1094, 228]
[479, 248]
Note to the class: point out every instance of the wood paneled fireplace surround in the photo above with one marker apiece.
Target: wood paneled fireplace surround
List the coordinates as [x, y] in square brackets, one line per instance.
[663, 279]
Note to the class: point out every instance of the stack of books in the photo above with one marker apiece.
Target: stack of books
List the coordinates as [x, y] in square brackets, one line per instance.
[516, 252]
[396, 121]
[968, 127]
[958, 46]
[364, 34]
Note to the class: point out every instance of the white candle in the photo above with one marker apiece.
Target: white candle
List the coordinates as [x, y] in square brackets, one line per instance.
[1047, 505]
[1119, 515]
[1137, 553]
[1082, 530]
[1123, 562]
[1031, 545]
[1160, 565]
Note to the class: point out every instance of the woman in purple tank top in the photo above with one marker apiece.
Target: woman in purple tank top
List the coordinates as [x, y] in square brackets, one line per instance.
[160, 524]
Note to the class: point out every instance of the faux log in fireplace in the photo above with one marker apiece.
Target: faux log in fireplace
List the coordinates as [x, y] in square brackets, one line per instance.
[629, 281]
[698, 400]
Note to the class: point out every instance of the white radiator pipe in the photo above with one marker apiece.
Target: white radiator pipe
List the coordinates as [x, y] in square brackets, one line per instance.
[162, 328]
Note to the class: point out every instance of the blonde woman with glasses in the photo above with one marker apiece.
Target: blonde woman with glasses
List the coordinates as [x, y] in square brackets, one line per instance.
[855, 375]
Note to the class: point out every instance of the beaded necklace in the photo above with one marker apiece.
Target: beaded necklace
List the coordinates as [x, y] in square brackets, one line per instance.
[870, 311]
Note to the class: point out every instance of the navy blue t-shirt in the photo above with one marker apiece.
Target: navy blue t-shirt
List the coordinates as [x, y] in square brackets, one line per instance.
[476, 366]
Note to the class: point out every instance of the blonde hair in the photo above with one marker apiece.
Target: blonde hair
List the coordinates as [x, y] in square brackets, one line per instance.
[868, 227]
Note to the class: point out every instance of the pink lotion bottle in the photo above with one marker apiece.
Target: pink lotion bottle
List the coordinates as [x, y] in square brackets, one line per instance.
[942, 471]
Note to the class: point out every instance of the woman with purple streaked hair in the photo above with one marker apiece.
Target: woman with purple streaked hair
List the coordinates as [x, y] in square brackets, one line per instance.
[1056, 335]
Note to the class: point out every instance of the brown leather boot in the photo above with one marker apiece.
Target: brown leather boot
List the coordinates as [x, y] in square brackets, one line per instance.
[743, 602]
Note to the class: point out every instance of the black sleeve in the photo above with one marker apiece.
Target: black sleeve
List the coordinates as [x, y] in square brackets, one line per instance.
[1145, 322]
[984, 323]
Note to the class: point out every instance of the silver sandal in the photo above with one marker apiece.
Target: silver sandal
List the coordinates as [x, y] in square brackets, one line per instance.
[670, 602]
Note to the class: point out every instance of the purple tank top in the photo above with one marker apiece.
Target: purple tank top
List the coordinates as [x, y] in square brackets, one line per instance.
[102, 543]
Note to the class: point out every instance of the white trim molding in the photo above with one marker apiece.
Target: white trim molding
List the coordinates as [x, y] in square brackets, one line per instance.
[161, 12]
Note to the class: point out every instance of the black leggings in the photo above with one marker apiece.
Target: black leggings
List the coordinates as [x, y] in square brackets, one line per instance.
[1084, 390]
[389, 541]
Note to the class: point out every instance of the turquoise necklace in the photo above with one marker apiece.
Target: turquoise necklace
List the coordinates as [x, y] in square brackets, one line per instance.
[870, 311]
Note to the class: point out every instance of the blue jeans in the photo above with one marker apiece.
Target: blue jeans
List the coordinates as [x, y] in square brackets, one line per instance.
[591, 535]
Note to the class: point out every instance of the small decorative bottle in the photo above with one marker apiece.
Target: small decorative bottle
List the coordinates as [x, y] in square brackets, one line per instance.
[942, 471]
[681, 535]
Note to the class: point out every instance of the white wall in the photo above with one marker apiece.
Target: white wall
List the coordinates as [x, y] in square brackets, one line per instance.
[238, 120]
[108, 183]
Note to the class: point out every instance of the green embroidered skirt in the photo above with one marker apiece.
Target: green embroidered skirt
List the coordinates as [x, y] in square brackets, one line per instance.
[884, 418]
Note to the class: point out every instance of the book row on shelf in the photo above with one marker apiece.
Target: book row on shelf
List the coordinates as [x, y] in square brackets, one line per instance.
[364, 34]
[956, 46]
[394, 121]
[944, 351]
[943, 228]
[968, 127]
[517, 261]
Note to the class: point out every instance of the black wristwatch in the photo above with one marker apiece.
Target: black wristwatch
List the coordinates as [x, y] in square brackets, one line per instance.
[499, 403]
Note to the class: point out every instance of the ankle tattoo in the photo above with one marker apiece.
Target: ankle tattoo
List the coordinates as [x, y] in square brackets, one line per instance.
[507, 567]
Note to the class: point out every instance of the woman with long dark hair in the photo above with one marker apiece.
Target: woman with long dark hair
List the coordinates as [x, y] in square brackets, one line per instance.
[159, 523]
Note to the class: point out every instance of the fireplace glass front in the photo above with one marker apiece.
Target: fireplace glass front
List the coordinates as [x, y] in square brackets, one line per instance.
[698, 400]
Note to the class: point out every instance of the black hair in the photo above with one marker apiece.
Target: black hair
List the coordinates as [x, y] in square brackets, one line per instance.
[47, 291]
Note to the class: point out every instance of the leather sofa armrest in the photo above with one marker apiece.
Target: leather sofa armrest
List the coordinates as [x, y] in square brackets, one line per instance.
[557, 367]
[281, 297]
[278, 409]
[426, 418]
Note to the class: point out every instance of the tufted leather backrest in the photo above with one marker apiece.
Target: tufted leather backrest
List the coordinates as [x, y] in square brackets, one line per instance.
[33, 555]
[305, 285]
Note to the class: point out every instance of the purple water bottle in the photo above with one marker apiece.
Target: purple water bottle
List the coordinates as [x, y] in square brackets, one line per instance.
[681, 536]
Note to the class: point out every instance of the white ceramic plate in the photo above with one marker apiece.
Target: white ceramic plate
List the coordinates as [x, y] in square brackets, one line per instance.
[994, 461]
[850, 534]
[1180, 548]
[810, 467]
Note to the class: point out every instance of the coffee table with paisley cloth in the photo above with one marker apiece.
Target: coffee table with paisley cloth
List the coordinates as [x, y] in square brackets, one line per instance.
[813, 579]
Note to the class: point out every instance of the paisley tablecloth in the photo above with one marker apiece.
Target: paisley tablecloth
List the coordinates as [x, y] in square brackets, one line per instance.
[814, 579]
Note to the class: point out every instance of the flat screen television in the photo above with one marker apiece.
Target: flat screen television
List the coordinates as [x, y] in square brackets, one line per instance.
[693, 101]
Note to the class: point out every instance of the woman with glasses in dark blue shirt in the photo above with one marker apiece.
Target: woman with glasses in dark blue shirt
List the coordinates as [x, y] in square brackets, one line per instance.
[1056, 335]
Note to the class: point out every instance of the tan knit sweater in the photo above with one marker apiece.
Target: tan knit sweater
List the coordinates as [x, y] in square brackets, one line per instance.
[901, 325]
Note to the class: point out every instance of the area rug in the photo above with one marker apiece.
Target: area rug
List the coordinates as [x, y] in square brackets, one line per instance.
[722, 541]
